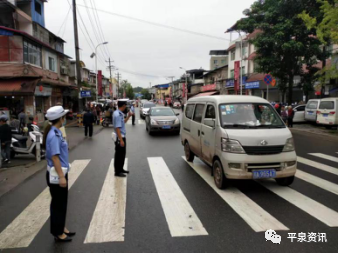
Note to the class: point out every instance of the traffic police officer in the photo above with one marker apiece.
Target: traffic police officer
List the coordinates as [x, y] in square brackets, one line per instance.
[57, 172]
[132, 109]
[120, 144]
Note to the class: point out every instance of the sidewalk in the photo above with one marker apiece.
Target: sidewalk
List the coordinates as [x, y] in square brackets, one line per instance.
[23, 167]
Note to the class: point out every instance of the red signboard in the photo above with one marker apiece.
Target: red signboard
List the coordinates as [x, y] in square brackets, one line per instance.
[183, 90]
[99, 82]
[236, 75]
[211, 87]
[110, 89]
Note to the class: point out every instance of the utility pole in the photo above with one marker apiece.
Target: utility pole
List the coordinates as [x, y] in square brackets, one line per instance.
[77, 54]
[111, 77]
[118, 75]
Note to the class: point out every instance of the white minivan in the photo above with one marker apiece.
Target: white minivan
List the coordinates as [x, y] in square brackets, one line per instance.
[240, 137]
[327, 112]
[311, 110]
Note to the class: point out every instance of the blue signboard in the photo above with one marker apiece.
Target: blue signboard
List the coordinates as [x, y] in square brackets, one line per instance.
[252, 85]
[86, 94]
[231, 82]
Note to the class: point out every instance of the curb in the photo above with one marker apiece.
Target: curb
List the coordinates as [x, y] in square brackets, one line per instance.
[44, 163]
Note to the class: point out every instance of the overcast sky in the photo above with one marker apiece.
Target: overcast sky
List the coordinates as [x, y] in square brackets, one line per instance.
[144, 48]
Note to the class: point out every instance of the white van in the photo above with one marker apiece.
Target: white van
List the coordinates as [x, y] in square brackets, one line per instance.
[327, 112]
[311, 110]
[240, 137]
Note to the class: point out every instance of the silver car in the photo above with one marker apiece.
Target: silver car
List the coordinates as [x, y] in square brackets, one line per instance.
[144, 110]
[163, 119]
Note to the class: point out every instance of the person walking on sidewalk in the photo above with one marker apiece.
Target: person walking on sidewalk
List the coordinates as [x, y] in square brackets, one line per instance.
[88, 121]
[5, 139]
[132, 109]
[121, 143]
[291, 114]
[57, 173]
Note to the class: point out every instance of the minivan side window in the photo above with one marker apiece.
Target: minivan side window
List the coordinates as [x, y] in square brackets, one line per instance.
[198, 113]
[189, 110]
[326, 105]
[210, 112]
[301, 108]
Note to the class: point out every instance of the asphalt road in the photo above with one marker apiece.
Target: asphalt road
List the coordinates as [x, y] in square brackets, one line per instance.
[148, 224]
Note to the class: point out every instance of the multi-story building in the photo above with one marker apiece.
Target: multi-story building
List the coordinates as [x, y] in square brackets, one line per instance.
[215, 81]
[33, 67]
[218, 58]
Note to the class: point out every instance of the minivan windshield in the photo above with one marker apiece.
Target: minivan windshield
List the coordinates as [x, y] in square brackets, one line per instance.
[249, 115]
[312, 105]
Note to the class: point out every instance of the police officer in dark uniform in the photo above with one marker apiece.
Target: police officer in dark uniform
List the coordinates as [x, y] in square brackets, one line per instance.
[120, 144]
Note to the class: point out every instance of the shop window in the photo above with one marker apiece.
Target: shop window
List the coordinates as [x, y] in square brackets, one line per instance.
[31, 53]
[232, 73]
[38, 7]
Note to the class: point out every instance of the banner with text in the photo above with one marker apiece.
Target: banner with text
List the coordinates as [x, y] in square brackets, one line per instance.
[99, 82]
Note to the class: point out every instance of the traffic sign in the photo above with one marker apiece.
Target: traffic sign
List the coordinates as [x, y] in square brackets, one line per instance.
[268, 79]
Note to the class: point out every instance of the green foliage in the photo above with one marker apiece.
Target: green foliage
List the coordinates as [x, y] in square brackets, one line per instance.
[130, 91]
[137, 89]
[284, 43]
[146, 94]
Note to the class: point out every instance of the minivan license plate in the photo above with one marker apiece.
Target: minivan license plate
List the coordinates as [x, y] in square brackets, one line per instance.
[267, 173]
[166, 127]
[325, 115]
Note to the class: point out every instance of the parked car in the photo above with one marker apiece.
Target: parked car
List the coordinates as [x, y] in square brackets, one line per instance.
[311, 110]
[327, 112]
[240, 137]
[299, 114]
[177, 104]
[162, 119]
[145, 109]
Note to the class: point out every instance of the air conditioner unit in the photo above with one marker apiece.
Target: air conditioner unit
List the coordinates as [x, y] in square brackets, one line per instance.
[64, 70]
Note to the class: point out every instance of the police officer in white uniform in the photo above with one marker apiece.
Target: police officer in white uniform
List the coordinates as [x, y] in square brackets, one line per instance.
[121, 143]
[57, 172]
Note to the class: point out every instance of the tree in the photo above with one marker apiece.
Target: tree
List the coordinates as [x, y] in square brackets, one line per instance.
[145, 94]
[138, 89]
[130, 91]
[326, 29]
[284, 44]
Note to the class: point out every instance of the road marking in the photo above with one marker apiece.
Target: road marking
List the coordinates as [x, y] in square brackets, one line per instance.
[108, 221]
[23, 229]
[181, 217]
[257, 218]
[141, 122]
[325, 156]
[321, 183]
[308, 205]
[318, 165]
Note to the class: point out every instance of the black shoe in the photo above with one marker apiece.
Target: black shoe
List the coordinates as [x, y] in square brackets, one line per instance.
[125, 171]
[70, 233]
[120, 175]
[67, 239]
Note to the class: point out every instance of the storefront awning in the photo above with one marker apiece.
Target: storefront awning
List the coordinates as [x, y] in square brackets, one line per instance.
[20, 86]
[205, 94]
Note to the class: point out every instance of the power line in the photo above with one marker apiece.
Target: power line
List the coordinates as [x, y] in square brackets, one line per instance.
[98, 24]
[64, 20]
[160, 25]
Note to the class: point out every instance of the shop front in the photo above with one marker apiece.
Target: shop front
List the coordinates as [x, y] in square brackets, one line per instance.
[43, 102]
[16, 95]
[230, 87]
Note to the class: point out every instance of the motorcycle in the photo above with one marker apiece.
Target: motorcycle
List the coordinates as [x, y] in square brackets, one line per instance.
[19, 142]
[106, 122]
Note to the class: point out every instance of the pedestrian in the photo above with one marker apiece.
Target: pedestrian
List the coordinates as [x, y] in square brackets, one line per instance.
[22, 119]
[98, 113]
[15, 123]
[278, 109]
[291, 114]
[120, 143]
[132, 109]
[284, 114]
[88, 121]
[57, 173]
[182, 106]
[5, 139]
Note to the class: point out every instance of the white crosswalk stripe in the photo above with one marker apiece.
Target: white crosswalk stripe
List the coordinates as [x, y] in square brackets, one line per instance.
[24, 228]
[325, 156]
[257, 218]
[318, 165]
[181, 217]
[108, 222]
[308, 205]
[319, 182]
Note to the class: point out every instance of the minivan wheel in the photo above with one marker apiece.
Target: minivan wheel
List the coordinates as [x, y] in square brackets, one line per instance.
[219, 177]
[189, 155]
[285, 181]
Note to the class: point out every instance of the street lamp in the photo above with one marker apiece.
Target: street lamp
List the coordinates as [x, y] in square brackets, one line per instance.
[97, 92]
[240, 68]
[186, 85]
